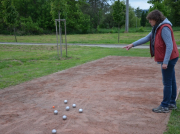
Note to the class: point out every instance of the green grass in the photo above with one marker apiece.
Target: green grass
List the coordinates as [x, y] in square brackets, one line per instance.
[108, 38]
[174, 121]
[23, 63]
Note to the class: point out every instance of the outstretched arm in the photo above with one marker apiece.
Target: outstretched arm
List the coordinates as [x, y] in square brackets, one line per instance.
[139, 42]
[142, 40]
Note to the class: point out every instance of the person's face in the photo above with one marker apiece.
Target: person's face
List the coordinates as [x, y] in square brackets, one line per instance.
[152, 22]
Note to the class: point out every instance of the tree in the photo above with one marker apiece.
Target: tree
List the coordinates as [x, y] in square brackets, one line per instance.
[174, 15]
[132, 17]
[119, 14]
[108, 21]
[83, 20]
[34, 14]
[154, 1]
[143, 19]
[138, 12]
[1, 17]
[70, 10]
[159, 4]
[97, 11]
[10, 15]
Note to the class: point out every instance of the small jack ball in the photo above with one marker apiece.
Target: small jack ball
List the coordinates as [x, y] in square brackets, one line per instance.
[67, 108]
[64, 117]
[74, 105]
[54, 131]
[55, 112]
[80, 110]
[65, 101]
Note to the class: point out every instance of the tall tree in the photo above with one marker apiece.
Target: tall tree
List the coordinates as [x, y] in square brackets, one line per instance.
[143, 19]
[138, 12]
[119, 13]
[10, 15]
[108, 21]
[174, 15]
[70, 10]
[97, 10]
[34, 15]
[1, 17]
[160, 5]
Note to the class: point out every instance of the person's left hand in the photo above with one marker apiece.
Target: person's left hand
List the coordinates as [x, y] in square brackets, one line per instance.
[164, 66]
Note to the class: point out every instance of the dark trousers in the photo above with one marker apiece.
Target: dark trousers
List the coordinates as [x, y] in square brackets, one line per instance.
[169, 82]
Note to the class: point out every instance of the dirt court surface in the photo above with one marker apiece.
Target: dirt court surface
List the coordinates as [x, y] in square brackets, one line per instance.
[115, 93]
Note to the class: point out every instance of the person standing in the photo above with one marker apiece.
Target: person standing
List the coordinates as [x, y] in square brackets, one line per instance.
[165, 52]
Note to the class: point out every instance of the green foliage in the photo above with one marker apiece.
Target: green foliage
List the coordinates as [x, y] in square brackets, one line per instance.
[174, 15]
[143, 19]
[161, 7]
[138, 12]
[1, 17]
[10, 15]
[119, 12]
[70, 10]
[37, 16]
[28, 26]
[141, 29]
[132, 18]
[17, 11]
[108, 21]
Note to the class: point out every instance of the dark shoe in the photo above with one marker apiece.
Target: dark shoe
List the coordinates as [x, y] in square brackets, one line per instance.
[172, 107]
[161, 109]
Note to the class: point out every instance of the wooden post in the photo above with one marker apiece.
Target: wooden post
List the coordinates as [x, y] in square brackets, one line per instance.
[60, 34]
[57, 39]
[65, 36]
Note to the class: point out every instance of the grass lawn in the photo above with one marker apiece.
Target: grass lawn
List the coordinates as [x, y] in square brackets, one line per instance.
[19, 63]
[108, 38]
[23, 63]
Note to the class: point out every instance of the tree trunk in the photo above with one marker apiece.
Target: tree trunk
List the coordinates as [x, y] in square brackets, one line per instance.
[15, 34]
[118, 33]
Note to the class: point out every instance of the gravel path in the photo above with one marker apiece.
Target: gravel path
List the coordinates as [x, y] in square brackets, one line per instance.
[116, 94]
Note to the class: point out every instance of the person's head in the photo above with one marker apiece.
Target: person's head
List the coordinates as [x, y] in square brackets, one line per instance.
[155, 17]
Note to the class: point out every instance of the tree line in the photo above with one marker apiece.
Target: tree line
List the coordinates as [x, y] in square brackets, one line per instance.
[83, 16]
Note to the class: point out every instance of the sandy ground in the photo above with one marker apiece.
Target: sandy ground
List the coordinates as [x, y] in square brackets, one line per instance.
[115, 93]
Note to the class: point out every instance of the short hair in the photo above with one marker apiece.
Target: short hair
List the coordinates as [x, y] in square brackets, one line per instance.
[156, 15]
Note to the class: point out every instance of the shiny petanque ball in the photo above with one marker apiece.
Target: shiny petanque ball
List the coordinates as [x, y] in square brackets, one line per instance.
[80, 110]
[67, 108]
[74, 105]
[55, 112]
[65, 101]
[54, 131]
[64, 117]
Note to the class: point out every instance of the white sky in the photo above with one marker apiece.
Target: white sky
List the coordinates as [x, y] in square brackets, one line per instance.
[142, 4]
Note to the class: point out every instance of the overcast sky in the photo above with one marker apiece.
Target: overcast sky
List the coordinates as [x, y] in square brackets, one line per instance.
[139, 3]
[142, 4]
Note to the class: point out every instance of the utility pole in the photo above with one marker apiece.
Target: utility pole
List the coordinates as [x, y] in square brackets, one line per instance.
[127, 16]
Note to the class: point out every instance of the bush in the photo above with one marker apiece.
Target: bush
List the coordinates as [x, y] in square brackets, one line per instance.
[29, 27]
[141, 29]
